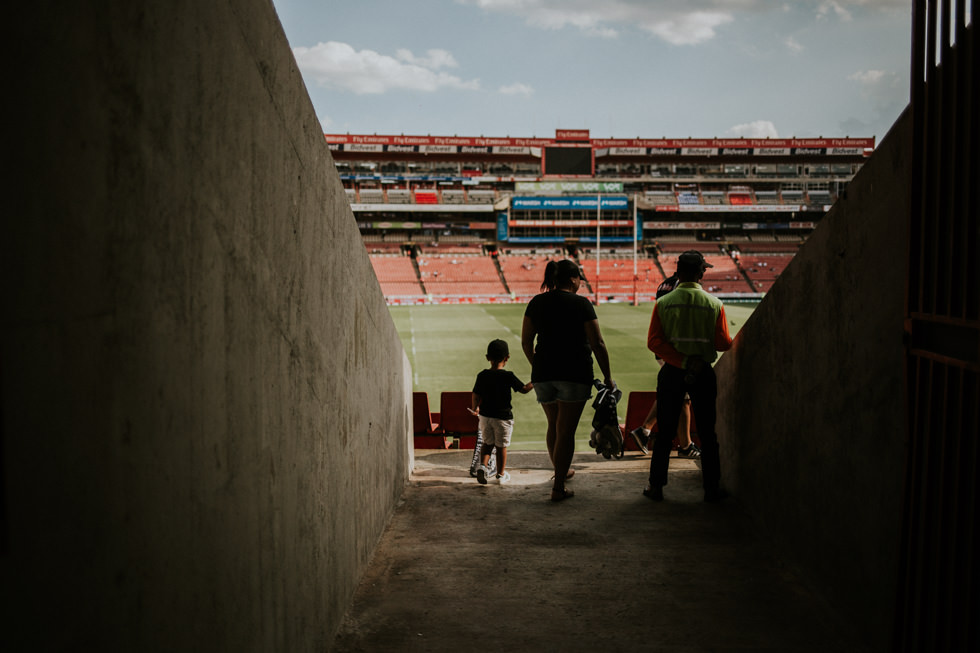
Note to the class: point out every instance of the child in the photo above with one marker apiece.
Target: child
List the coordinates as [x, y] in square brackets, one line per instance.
[491, 402]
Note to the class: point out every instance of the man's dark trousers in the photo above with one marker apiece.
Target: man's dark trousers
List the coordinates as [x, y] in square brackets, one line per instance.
[670, 400]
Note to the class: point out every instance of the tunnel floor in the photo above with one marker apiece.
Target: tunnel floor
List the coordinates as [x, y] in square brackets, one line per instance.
[464, 566]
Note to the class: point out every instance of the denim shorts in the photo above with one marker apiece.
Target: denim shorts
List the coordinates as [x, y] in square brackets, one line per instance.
[549, 392]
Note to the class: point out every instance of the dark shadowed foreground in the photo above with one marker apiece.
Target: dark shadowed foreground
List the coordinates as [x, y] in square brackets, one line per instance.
[464, 566]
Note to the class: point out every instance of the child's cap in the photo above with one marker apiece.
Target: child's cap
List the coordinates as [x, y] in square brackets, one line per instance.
[497, 350]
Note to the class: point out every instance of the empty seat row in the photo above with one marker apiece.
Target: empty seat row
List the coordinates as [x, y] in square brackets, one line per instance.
[455, 427]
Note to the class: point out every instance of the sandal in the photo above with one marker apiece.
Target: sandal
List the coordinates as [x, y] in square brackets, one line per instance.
[561, 495]
[568, 476]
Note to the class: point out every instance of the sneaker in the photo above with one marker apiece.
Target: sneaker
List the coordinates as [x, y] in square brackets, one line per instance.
[640, 438]
[692, 451]
[504, 478]
[481, 475]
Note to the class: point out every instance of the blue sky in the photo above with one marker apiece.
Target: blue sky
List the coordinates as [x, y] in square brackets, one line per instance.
[619, 68]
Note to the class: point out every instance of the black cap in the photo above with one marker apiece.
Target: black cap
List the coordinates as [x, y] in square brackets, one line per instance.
[692, 258]
[497, 350]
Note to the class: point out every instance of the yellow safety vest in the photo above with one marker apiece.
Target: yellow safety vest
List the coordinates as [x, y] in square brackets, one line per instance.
[688, 316]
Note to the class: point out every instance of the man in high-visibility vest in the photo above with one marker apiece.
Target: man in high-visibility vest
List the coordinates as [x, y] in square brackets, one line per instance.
[687, 329]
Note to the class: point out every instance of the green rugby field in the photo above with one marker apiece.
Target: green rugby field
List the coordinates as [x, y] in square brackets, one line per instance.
[447, 344]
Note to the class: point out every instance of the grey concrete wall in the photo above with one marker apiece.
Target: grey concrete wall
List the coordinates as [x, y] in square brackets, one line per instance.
[206, 416]
[811, 398]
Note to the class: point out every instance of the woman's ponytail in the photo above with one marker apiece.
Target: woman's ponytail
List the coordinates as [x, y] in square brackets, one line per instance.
[559, 274]
[550, 276]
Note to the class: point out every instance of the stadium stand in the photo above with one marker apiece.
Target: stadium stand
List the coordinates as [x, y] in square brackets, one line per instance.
[452, 196]
[481, 197]
[399, 196]
[397, 275]
[682, 244]
[765, 243]
[705, 194]
[724, 278]
[471, 237]
[661, 197]
[740, 196]
[428, 196]
[764, 269]
[452, 247]
[462, 275]
[371, 196]
[615, 276]
[820, 197]
[524, 272]
[792, 196]
[712, 197]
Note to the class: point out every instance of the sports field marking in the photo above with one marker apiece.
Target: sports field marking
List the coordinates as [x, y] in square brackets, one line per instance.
[411, 331]
[513, 333]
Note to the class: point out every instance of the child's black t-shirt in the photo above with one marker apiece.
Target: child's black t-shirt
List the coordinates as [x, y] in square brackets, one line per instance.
[494, 388]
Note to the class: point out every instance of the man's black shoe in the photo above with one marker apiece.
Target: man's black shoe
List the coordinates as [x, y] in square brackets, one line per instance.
[654, 493]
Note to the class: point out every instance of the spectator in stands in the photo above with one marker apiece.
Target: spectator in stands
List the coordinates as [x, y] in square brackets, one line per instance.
[641, 434]
[687, 329]
[491, 403]
[559, 336]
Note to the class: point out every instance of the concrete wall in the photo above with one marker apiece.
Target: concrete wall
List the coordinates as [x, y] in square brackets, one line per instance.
[205, 417]
[811, 404]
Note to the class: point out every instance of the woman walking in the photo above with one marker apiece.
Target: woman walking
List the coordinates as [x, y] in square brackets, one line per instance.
[567, 333]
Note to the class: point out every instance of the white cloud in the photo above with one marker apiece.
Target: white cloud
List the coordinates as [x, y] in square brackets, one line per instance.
[516, 88]
[793, 45]
[434, 59]
[868, 77]
[338, 65]
[687, 29]
[886, 94]
[755, 129]
[837, 8]
[679, 22]
[843, 8]
[882, 88]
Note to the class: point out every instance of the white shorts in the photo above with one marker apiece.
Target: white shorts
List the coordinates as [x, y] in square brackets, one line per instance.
[496, 431]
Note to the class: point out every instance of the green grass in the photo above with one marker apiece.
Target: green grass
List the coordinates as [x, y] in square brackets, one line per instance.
[446, 346]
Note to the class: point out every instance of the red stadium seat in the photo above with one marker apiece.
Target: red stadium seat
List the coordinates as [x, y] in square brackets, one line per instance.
[428, 435]
[637, 407]
[457, 421]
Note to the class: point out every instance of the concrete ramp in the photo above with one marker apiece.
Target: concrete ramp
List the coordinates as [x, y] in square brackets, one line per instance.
[465, 566]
